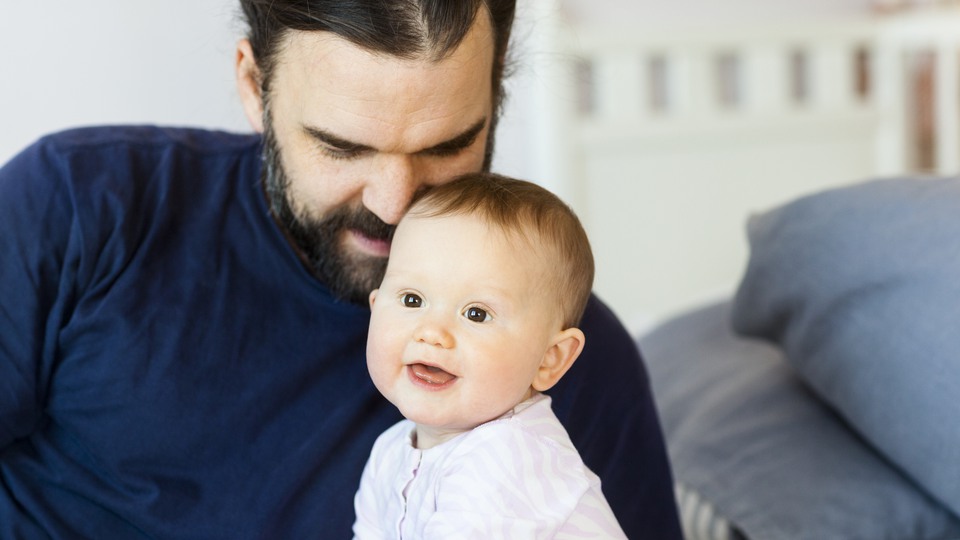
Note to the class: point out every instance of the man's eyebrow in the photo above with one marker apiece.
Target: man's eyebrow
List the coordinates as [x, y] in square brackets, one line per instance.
[336, 142]
[459, 142]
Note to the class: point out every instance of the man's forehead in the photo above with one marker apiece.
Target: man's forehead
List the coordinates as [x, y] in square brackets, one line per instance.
[302, 46]
[381, 101]
[328, 55]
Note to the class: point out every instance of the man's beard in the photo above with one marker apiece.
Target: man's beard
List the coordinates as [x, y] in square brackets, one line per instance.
[349, 276]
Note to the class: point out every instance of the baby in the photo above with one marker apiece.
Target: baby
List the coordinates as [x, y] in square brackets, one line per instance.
[476, 316]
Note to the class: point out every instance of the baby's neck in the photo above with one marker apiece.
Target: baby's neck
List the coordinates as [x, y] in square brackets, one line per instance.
[426, 437]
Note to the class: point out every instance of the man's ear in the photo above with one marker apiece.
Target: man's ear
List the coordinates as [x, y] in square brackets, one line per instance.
[373, 297]
[249, 85]
[564, 349]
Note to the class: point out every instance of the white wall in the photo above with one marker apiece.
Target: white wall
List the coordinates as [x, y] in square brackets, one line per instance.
[68, 63]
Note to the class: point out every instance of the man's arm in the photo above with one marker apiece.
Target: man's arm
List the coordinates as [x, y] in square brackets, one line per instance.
[605, 403]
[34, 230]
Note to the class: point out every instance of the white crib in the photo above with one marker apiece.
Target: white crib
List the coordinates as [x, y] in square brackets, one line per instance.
[666, 142]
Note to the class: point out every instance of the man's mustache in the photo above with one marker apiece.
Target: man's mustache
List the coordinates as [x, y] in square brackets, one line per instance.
[363, 221]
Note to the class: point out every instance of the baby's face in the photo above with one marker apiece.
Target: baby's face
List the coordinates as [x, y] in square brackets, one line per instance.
[460, 323]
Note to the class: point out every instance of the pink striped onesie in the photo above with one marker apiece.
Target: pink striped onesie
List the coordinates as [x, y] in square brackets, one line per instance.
[515, 477]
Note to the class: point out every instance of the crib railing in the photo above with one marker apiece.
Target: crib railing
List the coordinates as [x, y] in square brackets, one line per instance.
[888, 70]
[709, 76]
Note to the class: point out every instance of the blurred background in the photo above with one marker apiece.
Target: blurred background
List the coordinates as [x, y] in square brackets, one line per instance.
[665, 125]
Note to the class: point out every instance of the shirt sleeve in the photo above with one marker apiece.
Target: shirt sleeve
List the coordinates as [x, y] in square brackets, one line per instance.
[510, 483]
[35, 229]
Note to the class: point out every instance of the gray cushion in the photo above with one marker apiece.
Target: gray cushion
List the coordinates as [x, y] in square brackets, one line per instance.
[860, 286]
[743, 431]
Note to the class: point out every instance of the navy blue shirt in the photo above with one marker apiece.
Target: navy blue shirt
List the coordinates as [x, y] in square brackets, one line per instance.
[170, 369]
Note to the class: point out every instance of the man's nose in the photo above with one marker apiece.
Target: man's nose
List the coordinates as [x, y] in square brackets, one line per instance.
[391, 188]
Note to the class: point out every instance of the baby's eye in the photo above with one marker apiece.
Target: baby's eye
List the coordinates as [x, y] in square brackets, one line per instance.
[411, 300]
[476, 314]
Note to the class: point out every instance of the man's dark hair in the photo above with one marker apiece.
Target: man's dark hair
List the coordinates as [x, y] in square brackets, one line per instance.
[401, 28]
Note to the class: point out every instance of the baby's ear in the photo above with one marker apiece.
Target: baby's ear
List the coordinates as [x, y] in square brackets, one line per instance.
[564, 349]
[373, 297]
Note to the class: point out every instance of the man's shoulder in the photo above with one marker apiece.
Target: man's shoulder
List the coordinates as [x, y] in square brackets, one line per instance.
[110, 177]
[609, 375]
[113, 158]
[603, 329]
[197, 140]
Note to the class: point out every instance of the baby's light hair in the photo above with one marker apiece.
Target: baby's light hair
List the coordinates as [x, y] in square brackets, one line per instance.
[532, 213]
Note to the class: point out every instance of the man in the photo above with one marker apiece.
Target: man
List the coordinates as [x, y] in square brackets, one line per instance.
[183, 313]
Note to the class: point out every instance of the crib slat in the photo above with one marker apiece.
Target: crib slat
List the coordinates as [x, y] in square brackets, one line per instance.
[617, 86]
[833, 64]
[766, 79]
[947, 105]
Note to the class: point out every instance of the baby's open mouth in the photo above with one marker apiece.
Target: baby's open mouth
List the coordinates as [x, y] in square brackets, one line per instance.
[431, 374]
